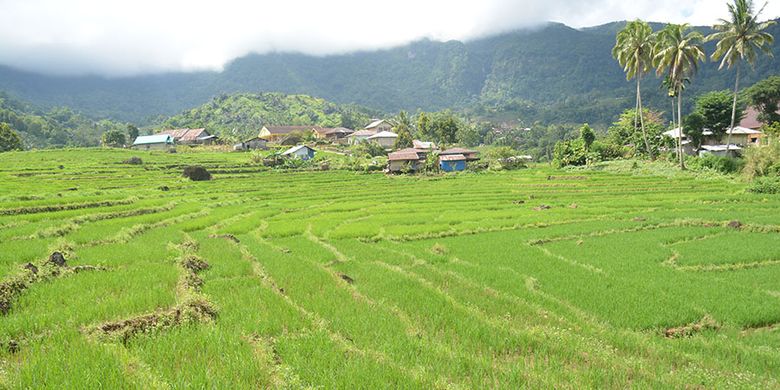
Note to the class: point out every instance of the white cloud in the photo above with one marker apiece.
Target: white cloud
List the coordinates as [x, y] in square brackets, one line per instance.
[123, 37]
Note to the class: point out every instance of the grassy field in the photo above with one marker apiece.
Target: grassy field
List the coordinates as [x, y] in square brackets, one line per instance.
[534, 278]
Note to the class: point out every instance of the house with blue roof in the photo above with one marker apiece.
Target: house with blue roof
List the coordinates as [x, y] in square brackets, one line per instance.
[154, 142]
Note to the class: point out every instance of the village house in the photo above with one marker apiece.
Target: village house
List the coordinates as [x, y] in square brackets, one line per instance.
[719, 150]
[379, 125]
[153, 142]
[385, 139]
[456, 159]
[360, 136]
[190, 136]
[750, 120]
[301, 151]
[471, 155]
[252, 144]
[338, 135]
[452, 162]
[280, 133]
[401, 160]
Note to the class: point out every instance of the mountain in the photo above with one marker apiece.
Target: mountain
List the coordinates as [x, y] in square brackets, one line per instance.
[552, 74]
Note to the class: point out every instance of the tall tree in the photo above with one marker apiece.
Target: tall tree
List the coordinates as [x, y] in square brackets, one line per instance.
[588, 136]
[113, 138]
[634, 52]
[403, 128]
[740, 38]
[765, 97]
[132, 132]
[9, 139]
[716, 111]
[678, 53]
[424, 130]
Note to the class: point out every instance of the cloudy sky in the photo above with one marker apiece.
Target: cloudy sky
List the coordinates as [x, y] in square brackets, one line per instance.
[125, 37]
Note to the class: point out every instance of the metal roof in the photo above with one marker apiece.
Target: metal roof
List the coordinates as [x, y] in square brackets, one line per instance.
[458, 151]
[153, 139]
[363, 133]
[452, 157]
[186, 134]
[340, 130]
[743, 130]
[375, 123]
[423, 144]
[384, 134]
[295, 149]
[403, 155]
[289, 129]
[720, 148]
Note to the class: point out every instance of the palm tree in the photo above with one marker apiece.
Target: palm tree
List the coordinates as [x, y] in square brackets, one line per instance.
[740, 39]
[677, 53]
[634, 52]
[671, 92]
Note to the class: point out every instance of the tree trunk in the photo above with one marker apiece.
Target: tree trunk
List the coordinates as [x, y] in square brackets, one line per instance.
[674, 119]
[680, 125]
[641, 118]
[733, 113]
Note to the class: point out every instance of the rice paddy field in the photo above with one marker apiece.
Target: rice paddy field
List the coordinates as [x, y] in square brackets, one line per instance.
[537, 278]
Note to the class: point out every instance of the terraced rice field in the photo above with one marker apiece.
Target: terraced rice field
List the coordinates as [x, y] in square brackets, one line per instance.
[535, 278]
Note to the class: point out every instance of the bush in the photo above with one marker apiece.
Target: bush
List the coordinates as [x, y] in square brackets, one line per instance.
[765, 185]
[568, 153]
[722, 164]
[133, 161]
[197, 173]
[370, 148]
[609, 150]
[500, 158]
[763, 161]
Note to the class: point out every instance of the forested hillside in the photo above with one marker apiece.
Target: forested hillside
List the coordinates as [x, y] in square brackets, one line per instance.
[553, 74]
[56, 127]
[242, 115]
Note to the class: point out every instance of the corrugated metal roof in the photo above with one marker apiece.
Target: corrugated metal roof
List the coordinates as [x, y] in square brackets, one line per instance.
[340, 130]
[186, 135]
[153, 139]
[423, 144]
[363, 133]
[289, 129]
[719, 148]
[384, 134]
[743, 130]
[458, 151]
[403, 155]
[375, 123]
[452, 157]
[295, 149]
[750, 120]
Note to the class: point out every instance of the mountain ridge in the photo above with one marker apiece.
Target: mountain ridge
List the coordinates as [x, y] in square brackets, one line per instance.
[565, 74]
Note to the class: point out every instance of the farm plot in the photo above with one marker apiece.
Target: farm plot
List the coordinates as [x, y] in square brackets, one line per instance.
[534, 278]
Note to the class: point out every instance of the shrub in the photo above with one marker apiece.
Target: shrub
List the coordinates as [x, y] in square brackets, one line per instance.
[370, 148]
[765, 185]
[722, 164]
[609, 150]
[568, 153]
[133, 161]
[763, 161]
[500, 158]
[196, 173]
